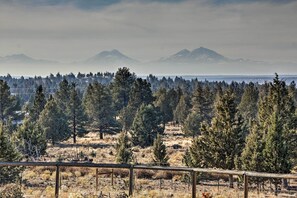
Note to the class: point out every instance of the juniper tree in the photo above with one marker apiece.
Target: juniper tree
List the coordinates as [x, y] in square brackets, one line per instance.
[278, 122]
[54, 122]
[124, 153]
[32, 139]
[160, 156]
[8, 153]
[252, 155]
[221, 142]
[148, 122]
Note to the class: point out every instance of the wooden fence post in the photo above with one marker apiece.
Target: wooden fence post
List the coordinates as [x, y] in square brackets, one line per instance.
[111, 177]
[194, 180]
[97, 180]
[246, 185]
[57, 181]
[131, 181]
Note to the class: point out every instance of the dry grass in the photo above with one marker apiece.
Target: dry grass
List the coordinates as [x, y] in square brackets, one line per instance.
[80, 182]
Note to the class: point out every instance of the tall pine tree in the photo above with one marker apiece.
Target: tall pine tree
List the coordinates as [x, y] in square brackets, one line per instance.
[38, 104]
[98, 105]
[75, 111]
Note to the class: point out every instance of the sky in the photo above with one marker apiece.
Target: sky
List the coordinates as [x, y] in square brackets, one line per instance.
[146, 30]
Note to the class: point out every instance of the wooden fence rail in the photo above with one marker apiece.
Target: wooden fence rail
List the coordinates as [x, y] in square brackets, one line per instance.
[193, 172]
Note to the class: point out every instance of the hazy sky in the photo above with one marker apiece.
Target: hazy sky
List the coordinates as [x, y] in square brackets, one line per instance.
[71, 30]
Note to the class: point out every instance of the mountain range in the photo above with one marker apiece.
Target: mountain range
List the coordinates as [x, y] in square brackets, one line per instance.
[200, 61]
[199, 55]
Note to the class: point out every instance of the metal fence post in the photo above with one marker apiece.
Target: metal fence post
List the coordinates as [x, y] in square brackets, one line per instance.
[131, 181]
[194, 180]
[57, 181]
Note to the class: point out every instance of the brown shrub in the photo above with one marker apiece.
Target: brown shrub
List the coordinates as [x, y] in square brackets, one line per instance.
[145, 174]
[11, 191]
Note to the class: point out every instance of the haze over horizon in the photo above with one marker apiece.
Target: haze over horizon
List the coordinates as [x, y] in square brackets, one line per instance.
[147, 30]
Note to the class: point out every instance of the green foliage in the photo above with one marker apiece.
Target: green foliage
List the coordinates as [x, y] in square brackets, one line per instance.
[62, 95]
[160, 156]
[98, 106]
[8, 103]
[140, 94]
[182, 110]
[192, 124]
[248, 105]
[278, 122]
[32, 139]
[76, 114]
[54, 122]
[210, 149]
[252, 155]
[162, 101]
[8, 153]
[124, 153]
[200, 112]
[121, 87]
[146, 125]
[38, 104]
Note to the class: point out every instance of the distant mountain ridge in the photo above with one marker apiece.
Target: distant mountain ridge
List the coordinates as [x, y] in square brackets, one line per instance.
[199, 55]
[24, 59]
[110, 57]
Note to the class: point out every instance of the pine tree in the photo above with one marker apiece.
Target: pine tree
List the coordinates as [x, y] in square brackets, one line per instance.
[200, 112]
[124, 153]
[121, 87]
[182, 110]
[278, 121]
[252, 155]
[192, 124]
[32, 139]
[38, 104]
[140, 94]
[8, 103]
[77, 117]
[160, 156]
[8, 153]
[210, 149]
[62, 95]
[248, 104]
[98, 105]
[54, 122]
[162, 101]
[146, 125]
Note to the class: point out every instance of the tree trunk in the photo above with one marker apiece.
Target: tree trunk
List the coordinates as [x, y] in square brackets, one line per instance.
[74, 129]
[231, 181]
[101, 133]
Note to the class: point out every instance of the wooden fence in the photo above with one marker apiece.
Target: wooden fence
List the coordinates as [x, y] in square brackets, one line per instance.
[193, 172]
